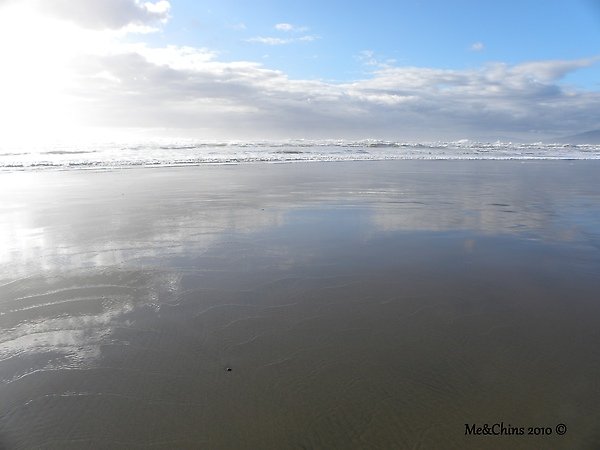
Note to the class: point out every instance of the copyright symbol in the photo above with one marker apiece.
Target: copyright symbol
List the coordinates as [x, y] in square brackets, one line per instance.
[561, 429]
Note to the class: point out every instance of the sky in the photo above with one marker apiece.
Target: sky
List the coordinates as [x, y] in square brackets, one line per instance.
[408, 70]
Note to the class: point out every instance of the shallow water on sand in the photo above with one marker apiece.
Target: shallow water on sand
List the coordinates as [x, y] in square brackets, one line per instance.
[358, 305]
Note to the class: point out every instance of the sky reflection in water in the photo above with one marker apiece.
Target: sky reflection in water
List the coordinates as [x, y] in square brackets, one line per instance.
[99, 268]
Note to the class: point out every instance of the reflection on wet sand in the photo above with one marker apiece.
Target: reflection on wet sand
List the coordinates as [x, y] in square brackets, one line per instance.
[359, 305]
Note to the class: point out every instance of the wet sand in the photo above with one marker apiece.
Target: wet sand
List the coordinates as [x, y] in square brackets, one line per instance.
[358, 305]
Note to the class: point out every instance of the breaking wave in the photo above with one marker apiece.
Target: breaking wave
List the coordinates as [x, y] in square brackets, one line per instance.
[189, 152]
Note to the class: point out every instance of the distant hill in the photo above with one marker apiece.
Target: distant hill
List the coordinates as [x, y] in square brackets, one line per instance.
[589, 137]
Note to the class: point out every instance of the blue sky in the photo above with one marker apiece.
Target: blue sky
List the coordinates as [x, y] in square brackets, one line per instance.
[414, 70]
[427, 33]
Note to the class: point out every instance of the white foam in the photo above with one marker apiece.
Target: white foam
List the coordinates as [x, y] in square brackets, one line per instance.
[189, 152]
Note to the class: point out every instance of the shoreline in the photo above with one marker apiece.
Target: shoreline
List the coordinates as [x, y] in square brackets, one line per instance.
[42, 167]
[98, 168]
[150, 154]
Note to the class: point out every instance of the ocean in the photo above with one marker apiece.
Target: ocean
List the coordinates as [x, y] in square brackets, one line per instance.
[170, 152]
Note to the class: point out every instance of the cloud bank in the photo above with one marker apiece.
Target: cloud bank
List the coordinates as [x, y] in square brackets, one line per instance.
[191, 91]
[189, 88]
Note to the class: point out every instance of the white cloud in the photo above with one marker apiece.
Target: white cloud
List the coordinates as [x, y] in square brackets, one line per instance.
[269, 40]
[107, 14]
[307, 38]
[368, 58]
[163, 88]
[241, 26]
[549, 71]
[477, 46]
[288, 27]
[161, 7]
[284, 27]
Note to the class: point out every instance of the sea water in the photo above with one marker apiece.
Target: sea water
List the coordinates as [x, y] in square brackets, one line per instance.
[179, 152]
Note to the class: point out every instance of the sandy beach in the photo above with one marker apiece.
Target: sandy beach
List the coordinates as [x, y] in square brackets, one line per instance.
[382, 304]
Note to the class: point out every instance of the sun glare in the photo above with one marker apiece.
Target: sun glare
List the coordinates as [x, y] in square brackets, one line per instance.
[35, 80]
